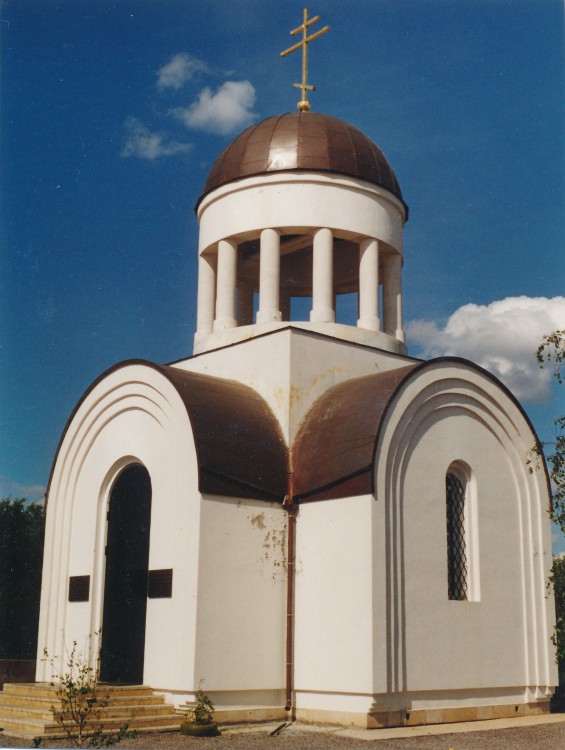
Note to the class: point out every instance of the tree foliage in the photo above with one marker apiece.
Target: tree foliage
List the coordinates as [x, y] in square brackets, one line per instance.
[551, 352]
[21, 558]
[558, 582]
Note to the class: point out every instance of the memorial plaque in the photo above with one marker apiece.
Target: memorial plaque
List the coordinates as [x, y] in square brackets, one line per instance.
[79, 588]
[160, 584]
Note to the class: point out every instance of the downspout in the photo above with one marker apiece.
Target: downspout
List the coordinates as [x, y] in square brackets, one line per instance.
[292, 511]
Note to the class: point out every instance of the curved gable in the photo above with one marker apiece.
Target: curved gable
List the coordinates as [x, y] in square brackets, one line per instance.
[240, 448]
[334, 451]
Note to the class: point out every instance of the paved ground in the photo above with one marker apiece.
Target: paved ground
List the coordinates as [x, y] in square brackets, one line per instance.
[532, 733]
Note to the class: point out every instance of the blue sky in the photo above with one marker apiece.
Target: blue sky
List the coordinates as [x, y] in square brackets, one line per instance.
[112, 115]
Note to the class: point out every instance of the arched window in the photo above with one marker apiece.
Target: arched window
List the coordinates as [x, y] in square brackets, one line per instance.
[462, 557]
[456, 542]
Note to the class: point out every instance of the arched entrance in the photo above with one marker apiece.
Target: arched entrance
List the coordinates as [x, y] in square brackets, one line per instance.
[125, 585]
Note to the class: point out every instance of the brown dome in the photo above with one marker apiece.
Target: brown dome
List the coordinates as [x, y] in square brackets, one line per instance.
[302, 141]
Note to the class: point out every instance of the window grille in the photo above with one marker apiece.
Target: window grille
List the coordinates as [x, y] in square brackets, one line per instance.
[456, 553]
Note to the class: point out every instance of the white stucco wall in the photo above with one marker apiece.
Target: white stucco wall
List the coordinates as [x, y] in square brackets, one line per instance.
[462, 644]
[334, 603]
[241, 621]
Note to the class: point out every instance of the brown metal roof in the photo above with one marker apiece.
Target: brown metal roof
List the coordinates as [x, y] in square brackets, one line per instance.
[302, 141]
[334, 451]
[242, 452]
[241, 449]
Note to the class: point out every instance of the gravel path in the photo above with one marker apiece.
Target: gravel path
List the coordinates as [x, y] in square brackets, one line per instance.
[548, 736]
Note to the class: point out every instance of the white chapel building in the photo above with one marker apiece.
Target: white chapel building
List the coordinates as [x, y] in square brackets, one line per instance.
[300, 518]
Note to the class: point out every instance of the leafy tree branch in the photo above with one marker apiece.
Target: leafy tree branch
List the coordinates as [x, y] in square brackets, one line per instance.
[551, 352]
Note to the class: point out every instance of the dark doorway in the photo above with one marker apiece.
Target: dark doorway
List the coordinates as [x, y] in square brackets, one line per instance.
[125, 586]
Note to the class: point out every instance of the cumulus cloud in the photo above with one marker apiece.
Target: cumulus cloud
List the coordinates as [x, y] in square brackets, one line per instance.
[180, 69]
[501, 337]
[224, 112]
[144, 144]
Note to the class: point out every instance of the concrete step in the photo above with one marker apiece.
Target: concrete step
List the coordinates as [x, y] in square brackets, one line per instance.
[24, 701]
[110, 711]
[25, 710]
[30, 727]
[47, 689]
[9, 712]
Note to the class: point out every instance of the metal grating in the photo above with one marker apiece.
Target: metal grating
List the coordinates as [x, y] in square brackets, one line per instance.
[456, 553]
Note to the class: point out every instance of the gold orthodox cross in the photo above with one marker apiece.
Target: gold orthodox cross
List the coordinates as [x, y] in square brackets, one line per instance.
[304, 105]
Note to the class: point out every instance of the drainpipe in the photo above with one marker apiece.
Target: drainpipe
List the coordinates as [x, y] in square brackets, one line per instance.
[292, 510]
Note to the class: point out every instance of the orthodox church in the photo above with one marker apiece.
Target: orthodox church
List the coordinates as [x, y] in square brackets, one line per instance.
[301, 519]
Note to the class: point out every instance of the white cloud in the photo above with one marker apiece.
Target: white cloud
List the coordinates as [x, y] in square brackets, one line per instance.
[144, 144]
[32, 492]
[224, 112]
[180, 69]
[501, 337]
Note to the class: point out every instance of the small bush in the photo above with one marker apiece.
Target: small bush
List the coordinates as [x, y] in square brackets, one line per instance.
[202, 712]
[81, 701]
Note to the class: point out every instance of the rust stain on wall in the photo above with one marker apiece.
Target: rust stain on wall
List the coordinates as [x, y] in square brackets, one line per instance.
[258, 520]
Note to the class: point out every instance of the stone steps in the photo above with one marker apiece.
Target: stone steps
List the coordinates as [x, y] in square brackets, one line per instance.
[47, 689]
[25, 710]
[108, 712]
[7, 701]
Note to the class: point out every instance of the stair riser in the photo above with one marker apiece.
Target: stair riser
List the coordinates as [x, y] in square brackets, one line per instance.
[110, 712]
[46, 703]
[44, 690]
[12, 714]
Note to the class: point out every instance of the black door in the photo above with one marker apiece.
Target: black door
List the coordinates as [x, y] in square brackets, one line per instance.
[125, 586]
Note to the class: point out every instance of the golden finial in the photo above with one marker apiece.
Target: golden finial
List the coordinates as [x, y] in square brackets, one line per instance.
[304, 105]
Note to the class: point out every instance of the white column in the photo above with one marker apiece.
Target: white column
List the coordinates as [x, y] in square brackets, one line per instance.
[225, 293]
[323, 310]
[245, 304]
[206, 297]
[269, 277]
[392, 295]
[369, 285]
